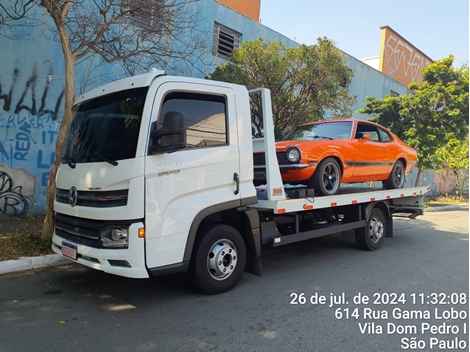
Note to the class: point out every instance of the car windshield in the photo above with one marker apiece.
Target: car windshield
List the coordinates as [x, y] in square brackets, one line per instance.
[317, 131]
[106, 128]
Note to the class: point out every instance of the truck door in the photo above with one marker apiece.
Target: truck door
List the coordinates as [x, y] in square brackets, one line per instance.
[181, 184]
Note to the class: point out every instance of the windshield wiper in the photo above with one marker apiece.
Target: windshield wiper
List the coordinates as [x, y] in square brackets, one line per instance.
[315, 137]
[70, 162]
[112, 162]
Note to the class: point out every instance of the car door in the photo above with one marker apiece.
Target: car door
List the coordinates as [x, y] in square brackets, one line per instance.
[372, 158]
[180, 184]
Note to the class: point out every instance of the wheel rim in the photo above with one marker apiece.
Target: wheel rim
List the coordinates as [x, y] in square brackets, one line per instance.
[331, 178]
[398, 175]
[222, 259]
[376, 229]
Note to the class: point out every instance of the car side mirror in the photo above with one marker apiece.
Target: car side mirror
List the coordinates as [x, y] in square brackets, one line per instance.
[171, 137]
[366, 137]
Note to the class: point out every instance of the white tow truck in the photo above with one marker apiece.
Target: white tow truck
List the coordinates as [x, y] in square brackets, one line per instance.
[157, 178]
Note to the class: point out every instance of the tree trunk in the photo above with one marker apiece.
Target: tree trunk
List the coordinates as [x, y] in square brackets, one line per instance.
[418, 176]
[48, 227]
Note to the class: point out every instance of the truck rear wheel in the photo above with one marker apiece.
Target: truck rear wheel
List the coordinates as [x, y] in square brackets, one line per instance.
[372, 236]
[219, 259]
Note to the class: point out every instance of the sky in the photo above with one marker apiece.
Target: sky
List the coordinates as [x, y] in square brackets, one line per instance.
[438, 28]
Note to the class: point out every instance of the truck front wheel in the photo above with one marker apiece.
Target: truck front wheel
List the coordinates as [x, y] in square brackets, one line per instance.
[372, 236]
[218, 259]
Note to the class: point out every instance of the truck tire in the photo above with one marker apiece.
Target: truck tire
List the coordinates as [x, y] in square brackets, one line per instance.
[326, 178]
[397, 176]
[372, 236]
[219, 259]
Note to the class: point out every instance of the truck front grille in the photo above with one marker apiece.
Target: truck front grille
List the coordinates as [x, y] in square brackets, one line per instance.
[85, 231]
[96, 199]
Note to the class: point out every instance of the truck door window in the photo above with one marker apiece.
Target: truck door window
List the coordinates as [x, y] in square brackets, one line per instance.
[205, 115]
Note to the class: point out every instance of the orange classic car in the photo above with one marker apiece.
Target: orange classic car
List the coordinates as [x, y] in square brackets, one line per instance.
[324, 154]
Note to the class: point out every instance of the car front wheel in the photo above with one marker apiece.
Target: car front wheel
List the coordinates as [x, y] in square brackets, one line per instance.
[327, 178]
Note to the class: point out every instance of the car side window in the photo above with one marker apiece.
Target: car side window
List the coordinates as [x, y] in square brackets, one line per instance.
[365, 128]
[384, 136]
[205, 115]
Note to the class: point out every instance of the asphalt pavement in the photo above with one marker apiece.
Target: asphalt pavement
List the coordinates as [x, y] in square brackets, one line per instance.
[416, 282]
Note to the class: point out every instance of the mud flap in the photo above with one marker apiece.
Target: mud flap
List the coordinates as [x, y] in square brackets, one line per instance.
[253, 244]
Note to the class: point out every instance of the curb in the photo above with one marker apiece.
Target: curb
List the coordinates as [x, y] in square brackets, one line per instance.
[446, 207]
[28, 263]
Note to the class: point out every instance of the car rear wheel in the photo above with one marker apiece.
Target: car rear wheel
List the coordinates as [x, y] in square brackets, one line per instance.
[327, 178]
[397, 177]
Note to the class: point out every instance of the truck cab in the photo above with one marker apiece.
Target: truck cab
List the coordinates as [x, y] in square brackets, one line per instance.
[147, 160]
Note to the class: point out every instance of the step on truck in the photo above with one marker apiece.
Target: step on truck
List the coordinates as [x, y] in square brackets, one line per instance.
[157, 178]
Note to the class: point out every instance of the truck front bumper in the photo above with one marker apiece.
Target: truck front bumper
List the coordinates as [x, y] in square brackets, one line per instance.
[128, 262]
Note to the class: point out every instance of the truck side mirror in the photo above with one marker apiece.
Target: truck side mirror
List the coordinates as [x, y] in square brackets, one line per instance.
[171, 137]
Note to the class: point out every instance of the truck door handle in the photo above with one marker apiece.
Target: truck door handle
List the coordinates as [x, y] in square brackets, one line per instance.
[236, 178]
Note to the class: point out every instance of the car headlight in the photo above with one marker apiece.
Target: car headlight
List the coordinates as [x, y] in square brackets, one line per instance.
[115, 237]
[293, 154]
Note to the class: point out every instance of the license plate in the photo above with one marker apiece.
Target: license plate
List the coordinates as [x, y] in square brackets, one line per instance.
[69, 250]
[260, 175]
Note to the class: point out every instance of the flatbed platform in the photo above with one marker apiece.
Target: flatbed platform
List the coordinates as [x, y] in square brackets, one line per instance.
[348, 196]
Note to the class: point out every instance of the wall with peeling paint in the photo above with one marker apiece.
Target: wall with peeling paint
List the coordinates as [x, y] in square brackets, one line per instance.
[31, 106]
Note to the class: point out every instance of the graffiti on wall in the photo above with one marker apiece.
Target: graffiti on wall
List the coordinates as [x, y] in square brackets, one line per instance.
[30, 108]
[30, 88]
[15, 196]
[401, 60]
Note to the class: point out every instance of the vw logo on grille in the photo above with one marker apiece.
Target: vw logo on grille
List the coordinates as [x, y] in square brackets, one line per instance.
[73, 196]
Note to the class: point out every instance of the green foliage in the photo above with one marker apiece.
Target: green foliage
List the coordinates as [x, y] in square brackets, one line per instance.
[452, 159]
[453, 156]
[305, 82]
[433, 115]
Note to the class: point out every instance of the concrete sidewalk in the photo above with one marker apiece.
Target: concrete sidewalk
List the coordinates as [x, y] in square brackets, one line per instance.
[28, 263]
[446, 207]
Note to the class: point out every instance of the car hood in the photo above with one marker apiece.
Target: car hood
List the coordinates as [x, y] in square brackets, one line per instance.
[302, 145]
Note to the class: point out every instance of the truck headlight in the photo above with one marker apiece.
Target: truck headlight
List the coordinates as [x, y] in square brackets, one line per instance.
[115, 237]
[293, 154]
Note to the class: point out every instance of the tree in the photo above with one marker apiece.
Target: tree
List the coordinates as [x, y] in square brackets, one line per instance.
[452, 159]
[435, 112]
[134, 33]
[305, 82]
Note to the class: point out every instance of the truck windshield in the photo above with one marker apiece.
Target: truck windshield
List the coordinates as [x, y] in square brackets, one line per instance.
[106, 128]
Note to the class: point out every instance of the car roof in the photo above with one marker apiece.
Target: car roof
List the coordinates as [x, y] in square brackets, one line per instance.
[340, 120]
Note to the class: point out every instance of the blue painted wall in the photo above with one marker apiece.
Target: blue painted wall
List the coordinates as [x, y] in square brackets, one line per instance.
[31, 100]
[31, 106]
[367, 81]
[31, 109]
[211, 11]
